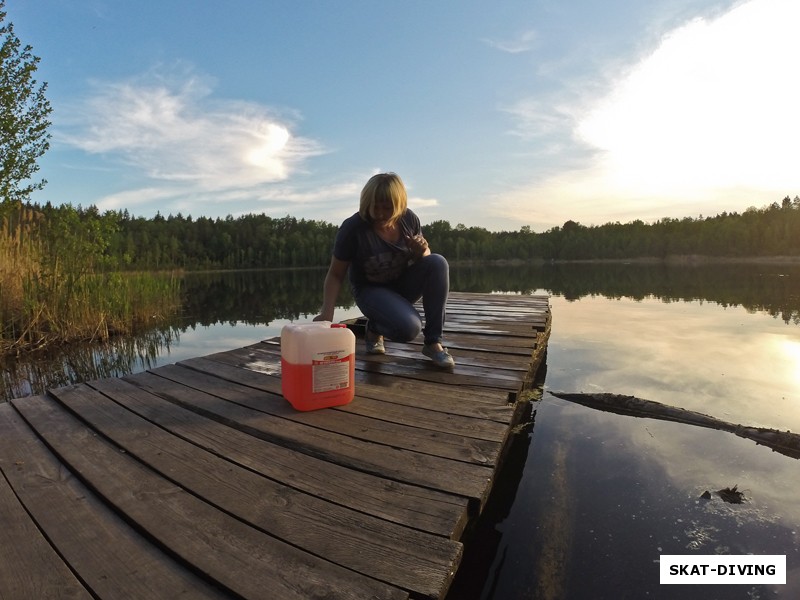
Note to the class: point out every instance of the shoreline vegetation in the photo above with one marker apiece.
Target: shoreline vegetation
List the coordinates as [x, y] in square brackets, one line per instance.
[71, 274]
[62, 293]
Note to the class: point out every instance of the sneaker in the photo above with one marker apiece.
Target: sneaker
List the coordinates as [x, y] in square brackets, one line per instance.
[374, 342]
[441, 358]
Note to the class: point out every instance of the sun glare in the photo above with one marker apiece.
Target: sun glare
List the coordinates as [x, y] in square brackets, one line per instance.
[705, 109]
[791, 350]
[273, 140]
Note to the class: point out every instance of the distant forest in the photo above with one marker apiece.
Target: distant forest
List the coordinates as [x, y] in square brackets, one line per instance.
[115, 240]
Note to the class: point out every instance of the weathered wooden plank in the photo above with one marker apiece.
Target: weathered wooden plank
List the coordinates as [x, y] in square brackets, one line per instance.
[460, 313]
[112, 559]
[418, 369]
[484, 327]
[490, 344]
[401, 556]
[520, 318]
[417, 507]
[501, 300]
[516, 359]
[519, 346]
[264, 357]
[458, 304]
[456, 477]
[479, 403]
[29, 567]
[419, 402]
[418, 417]
[535, 310]
[396, 435]
[474, 403]
[465, 313]
[513, 363]
[238, 557]
[467, 427]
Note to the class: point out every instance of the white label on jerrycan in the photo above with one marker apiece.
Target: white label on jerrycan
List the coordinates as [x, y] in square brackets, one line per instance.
[330, 371]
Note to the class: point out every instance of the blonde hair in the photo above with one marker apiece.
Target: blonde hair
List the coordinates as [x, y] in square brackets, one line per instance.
[383, 187]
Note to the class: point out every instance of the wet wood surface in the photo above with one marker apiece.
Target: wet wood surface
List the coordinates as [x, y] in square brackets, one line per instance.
[199, 480]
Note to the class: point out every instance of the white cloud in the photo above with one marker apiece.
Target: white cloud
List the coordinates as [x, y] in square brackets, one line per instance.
[537, 118]
[708, 121]
[330, 202]
[174, 132]
[714, 106]
[194, 154]
[417, 203]
[132, 199]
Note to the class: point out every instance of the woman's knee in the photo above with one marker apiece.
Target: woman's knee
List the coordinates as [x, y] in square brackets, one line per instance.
[405, 329]
[437, 262]
[389, 313]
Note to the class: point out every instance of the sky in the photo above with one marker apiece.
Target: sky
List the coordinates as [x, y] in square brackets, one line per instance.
[496, 114]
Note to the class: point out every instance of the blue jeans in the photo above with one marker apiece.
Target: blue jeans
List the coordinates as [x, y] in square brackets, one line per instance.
[390, 307]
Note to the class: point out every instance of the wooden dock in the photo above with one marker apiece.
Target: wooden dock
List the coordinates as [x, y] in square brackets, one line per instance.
[198, 480]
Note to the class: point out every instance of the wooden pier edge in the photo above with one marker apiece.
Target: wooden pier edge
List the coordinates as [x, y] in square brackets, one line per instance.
[197, 480]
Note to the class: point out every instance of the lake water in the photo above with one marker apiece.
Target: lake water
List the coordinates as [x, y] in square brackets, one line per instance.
[588, 500]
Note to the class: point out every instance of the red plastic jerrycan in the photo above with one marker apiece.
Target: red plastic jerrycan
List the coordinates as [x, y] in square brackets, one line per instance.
[317, 364]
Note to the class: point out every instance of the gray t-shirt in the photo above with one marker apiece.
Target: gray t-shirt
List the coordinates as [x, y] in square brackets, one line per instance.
[372, 259]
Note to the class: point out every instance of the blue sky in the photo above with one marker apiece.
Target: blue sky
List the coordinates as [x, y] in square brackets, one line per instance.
[498, 114]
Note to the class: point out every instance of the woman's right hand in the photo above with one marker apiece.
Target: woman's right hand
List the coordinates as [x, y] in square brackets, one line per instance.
[333, 282]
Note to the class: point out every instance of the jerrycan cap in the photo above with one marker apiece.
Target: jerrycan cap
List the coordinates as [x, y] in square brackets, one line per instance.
[338, 325]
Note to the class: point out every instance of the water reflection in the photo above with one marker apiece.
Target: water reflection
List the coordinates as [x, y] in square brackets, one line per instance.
[722, 361]
[252, 297]
[253, 302]
[635, 487]
[31, 375]
[770, 288]
[602, 496]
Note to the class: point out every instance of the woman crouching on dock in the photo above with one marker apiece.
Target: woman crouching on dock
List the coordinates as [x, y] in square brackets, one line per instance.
[390, 267]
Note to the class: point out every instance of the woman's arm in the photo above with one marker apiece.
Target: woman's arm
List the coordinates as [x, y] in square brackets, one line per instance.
[412, 232]
[331, 286]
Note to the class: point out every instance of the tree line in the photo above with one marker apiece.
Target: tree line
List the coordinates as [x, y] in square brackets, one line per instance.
[115, 240]
[773, 230]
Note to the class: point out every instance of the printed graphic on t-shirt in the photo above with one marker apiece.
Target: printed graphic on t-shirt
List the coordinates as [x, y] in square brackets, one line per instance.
[384, 267]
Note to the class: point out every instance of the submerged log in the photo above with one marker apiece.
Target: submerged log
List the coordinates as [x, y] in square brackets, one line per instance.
[785, 442]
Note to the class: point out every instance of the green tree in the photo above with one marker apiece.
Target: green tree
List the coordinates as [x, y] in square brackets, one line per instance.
[24, 112]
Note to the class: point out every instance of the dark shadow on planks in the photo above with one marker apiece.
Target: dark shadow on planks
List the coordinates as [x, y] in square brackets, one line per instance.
[198, 480]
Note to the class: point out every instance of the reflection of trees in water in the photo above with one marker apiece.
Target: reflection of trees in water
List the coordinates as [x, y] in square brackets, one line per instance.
[256, 297]
[253, 297]
[261, 297]
[72, 363]
[773, 289]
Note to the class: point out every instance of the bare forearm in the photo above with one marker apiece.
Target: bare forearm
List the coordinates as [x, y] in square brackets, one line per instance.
[330, 288]
[330, 293]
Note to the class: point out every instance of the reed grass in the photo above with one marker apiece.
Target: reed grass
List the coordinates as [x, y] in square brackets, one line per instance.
[47, 299]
